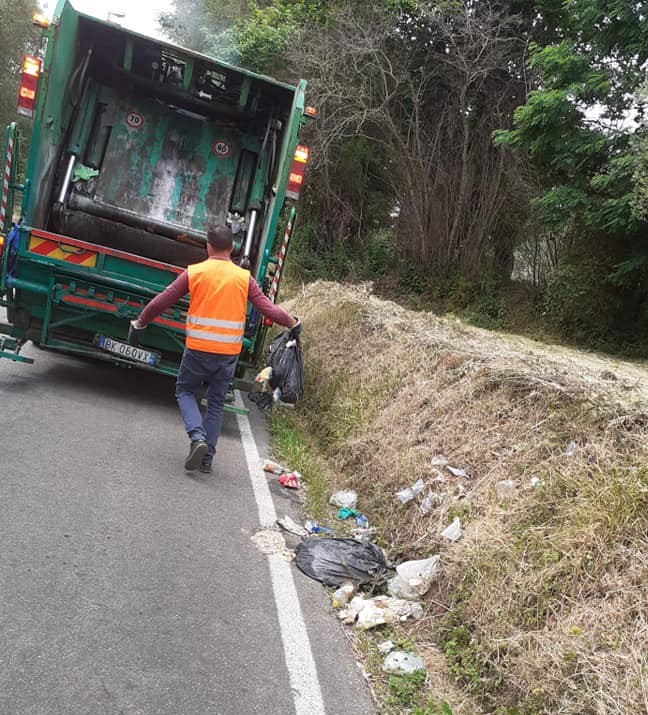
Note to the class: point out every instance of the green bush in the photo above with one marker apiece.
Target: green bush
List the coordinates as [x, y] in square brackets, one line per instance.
[580, 303]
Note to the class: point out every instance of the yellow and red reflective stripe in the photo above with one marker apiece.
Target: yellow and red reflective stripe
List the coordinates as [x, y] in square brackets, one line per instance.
[56, 250]
[106, 251]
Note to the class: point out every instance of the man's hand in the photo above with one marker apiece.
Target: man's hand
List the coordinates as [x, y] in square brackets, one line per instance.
[134, 332]
[295, 330]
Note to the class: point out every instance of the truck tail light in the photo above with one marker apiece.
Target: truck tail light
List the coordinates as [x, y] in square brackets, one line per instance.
[31, 70]
[297, 171]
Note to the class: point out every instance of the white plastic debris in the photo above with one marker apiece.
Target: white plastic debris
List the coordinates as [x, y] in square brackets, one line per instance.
[385, 647]
[273, 467]
[292, 526]
[414, 578]
[453, 531]
[409, 493]
[371, 612]
[342, 595]
[457, 471]
[402, 663]
[346, 499]
[269, 542]
[460, 491]
[439, 461]
[536, 482]
[505, 489]
[429, 502]
[571, 450]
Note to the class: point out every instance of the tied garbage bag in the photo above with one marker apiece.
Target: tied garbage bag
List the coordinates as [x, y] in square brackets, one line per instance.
[333, 561]
[285, 359]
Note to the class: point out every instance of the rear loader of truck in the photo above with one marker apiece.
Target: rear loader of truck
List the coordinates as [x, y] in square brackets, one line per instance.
[138, 147]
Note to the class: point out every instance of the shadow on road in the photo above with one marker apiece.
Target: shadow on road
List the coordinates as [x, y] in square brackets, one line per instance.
[90, 377]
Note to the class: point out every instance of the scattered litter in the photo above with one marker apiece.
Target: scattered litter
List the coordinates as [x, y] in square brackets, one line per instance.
[333, 561]
[361, 521]
[273, 467]
[265, 375]
[460, 491]
[453, 531]
[505, 489]
[342, 595]
[364, 533]
[312, 527]
[571, 450]
[536, 482]
[371, 612]
[345, 498]
[439, 460]
[409, 493]
[456, 471]
[402, 663]
[269, 542]
[291, 480]
[385, 647]
[413, 578]
[292, 526]
[344, 513]
[428, 503]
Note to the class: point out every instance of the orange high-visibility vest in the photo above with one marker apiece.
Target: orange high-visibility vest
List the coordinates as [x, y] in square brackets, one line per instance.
[218, 292]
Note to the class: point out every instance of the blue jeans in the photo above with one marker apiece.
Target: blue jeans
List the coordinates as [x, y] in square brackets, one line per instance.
[217, 371]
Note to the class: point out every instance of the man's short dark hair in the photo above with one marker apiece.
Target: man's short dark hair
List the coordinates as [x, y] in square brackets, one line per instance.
[220, 238]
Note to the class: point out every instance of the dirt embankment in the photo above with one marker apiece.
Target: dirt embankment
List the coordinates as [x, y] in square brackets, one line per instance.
[542, 605]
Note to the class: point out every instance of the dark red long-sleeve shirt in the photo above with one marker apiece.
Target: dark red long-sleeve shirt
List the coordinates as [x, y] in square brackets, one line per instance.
[180, 287]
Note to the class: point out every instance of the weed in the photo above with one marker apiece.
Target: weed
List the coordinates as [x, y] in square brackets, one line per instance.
[405, 689]
[290, 447]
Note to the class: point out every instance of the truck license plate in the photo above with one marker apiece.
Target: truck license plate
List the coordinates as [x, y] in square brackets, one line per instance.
[127, 351]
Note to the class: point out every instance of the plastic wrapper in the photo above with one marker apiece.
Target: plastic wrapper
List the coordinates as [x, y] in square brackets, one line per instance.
[402, 663]
[413, 578]
[346, 499]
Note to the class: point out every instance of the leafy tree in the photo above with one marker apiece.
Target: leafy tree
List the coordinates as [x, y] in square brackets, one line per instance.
[17, 36]
[577, 128]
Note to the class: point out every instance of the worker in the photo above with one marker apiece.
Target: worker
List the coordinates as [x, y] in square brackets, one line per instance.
[219, 292]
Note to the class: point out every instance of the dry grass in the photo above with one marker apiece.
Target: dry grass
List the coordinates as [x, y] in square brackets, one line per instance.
[542, 606]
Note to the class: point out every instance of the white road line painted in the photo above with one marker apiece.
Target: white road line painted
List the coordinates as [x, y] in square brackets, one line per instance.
[302, 672]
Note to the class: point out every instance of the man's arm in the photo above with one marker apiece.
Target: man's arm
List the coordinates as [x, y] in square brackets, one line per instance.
[266, 307]
[162, 301]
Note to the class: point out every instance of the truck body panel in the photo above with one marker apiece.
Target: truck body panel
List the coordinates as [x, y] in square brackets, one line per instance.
[138, 147]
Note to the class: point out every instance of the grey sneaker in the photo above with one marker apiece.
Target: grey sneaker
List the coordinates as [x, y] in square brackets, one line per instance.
[205, 466]
[197, 450]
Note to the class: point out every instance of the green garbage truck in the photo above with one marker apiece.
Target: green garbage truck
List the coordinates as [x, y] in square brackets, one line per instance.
[138, 147]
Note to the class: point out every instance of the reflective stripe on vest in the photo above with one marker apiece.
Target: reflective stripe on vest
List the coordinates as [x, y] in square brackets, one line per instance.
[218, 292]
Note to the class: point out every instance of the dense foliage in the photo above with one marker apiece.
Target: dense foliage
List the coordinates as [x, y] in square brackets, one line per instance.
[462, 142]
[17, 36]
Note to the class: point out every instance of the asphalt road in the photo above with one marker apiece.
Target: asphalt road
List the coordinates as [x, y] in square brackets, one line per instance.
[126, 585]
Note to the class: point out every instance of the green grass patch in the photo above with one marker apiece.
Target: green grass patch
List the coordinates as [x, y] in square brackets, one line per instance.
[291, 448]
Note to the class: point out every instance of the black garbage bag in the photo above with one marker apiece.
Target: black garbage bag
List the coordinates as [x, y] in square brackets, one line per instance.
[333, 561]
[285, 358]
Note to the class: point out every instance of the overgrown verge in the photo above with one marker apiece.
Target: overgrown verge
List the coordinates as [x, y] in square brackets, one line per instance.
[542, 606]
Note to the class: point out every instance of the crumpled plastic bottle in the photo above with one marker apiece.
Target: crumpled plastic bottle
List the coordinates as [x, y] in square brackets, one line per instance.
[342, 595]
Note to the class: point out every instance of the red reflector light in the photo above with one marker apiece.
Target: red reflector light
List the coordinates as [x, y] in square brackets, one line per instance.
[267, 323]
[297, 170]
[31, 69]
